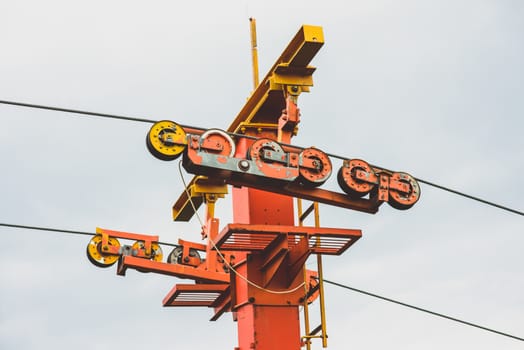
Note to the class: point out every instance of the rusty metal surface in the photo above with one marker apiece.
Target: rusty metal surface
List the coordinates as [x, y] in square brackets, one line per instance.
[195, 294]
[251, 237]
[175, 270]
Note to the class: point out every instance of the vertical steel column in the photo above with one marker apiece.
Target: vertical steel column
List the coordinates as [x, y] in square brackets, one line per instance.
[322, 328]
[307, 328]
[321, 285]
[254, 52]
[265, 321]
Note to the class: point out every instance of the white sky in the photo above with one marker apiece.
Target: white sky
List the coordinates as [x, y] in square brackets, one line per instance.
[433, 88]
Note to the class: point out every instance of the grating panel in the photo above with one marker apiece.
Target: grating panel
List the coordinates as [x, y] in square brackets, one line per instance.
[251, 241]
[329, 245]
[246, 237]
[194, 294]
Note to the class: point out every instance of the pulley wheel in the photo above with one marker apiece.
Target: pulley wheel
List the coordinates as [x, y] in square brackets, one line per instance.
[257, 149]
[401, 200]
[218, 142]
[311, 285]
[175, 257]
[166, 140]
[321, 170]
[156, 251]
[348, 180]
[95, 254]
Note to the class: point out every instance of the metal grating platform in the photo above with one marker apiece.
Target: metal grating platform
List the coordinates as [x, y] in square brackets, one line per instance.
[194, 294]
[244, 237]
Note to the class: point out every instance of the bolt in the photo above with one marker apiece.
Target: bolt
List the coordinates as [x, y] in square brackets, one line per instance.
[294, 88]
[243, 165]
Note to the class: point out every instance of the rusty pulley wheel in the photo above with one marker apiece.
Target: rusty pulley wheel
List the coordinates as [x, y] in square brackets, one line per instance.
[314, 167]
[272, 160]
[175, 257]
[266, 150]
[403, 199]
[356, 178]
[218, 142]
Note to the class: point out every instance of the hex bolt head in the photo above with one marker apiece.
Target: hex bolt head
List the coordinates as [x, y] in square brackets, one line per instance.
[243, 165]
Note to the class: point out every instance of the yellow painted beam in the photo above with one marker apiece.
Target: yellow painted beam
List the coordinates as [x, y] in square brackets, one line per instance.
[266, 103]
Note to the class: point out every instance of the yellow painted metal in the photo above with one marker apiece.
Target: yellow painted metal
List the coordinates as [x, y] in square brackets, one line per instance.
[265, 105]
[254, 52]
[307, 329]
[156, 251]
[200, 188]
[308, 336]
[203, 185]
[166, 140]
[259, 127]
[96, 256]
[291, 76]
[321, 284]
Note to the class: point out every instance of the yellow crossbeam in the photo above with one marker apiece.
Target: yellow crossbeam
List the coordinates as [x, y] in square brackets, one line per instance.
[266, 103]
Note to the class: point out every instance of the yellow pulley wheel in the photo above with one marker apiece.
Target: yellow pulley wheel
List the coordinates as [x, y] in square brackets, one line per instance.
[166, 140]
[156, 251]
[95, 254]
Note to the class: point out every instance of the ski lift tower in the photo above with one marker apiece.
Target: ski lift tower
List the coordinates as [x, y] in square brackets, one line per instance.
[255, 266]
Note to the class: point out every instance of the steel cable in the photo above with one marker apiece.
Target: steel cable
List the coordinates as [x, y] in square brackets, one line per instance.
[281, 292]
[422, 310]
[84, 233]
[143, 120]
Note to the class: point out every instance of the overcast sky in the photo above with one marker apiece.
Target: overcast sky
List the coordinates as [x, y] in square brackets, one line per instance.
[432, 88]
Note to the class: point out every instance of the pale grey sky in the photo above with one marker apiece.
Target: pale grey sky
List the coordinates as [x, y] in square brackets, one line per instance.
[433, 88]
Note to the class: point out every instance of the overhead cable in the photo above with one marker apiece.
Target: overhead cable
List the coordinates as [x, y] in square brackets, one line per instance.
[514, 211]
[121, 117]
[423, 310]
[325, 280]
[76, 111]
[39, 228]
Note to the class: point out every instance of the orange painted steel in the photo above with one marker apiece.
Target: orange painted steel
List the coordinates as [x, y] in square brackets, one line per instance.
[109, 249]
[265, 320]
[255, 267]
[175, 270]
[104, 249]
[195, 294]
[251, 238]
[266, 103]
[268, 165]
